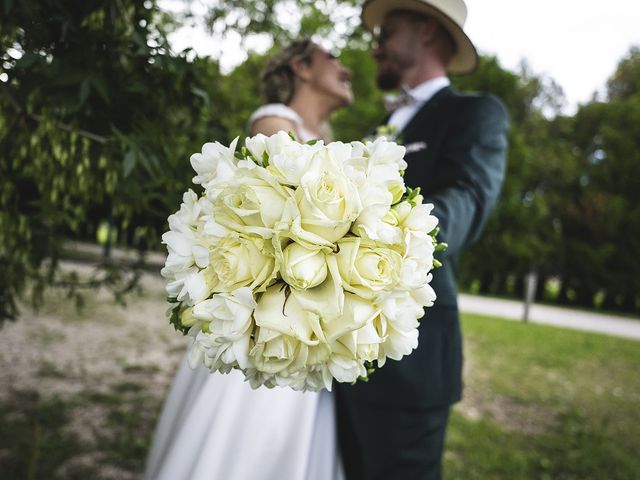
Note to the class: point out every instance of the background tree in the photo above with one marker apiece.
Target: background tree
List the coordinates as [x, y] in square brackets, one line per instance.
[98, 118]
[97, 121]
[601, 216]
[520, 235]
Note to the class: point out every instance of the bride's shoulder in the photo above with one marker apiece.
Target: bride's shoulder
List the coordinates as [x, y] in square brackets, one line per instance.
[275, 110]
[273, 117]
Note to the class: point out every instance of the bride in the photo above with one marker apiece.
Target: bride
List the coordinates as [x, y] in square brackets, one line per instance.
[214, 426]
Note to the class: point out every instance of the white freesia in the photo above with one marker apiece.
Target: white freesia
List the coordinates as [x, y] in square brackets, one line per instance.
[398, 323]
[289, 160]
[215, 164]
[383, 152]
[377, 167]
[198, 285]
[417, 261]
[378, 223]
[257, 145]
[185, 245]
[228, 317]
[417, 218]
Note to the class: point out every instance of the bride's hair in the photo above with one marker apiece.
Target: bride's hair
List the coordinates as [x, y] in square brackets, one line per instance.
[278, 79]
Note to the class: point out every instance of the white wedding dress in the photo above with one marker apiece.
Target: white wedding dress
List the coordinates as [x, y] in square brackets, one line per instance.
[215, 427]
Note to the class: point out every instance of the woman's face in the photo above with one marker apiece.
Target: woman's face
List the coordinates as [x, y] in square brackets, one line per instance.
[328, 76]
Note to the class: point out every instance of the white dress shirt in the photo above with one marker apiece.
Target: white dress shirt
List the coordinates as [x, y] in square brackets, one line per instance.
[421, 95]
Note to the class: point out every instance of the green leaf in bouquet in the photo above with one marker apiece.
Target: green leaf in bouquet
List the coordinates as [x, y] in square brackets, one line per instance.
[371, 368]
[174, 320]
[441, 247]
[410, 195]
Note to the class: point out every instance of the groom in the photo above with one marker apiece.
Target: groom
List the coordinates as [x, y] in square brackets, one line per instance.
[393, 427]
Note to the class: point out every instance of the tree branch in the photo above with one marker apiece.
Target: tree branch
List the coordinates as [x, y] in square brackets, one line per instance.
[39, 118]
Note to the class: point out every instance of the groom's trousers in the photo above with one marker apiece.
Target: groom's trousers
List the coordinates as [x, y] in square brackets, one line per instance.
[393, 426]
[416, 453]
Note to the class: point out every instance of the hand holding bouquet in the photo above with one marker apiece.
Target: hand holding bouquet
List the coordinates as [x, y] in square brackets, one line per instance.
[300, 263]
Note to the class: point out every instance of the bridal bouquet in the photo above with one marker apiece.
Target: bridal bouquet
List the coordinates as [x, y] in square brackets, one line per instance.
[300, 263]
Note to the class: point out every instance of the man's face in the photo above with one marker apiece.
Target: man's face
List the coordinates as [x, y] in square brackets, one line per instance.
[396, 50]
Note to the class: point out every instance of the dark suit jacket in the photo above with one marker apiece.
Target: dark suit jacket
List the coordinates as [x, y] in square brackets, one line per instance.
[460, 171]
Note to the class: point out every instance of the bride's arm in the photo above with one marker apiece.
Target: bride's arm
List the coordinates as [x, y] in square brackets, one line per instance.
[270, 125]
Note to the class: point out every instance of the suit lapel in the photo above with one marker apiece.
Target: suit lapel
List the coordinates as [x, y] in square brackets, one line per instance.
[422, 116]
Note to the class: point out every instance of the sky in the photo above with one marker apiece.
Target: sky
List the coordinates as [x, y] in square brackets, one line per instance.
[578, 43]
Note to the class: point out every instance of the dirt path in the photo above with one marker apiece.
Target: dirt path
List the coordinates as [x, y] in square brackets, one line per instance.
[98, 376]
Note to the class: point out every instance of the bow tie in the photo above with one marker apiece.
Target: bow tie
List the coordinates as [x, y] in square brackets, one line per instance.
[394, 102]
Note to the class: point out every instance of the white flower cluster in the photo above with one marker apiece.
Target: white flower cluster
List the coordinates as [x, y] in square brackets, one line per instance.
[300, 263]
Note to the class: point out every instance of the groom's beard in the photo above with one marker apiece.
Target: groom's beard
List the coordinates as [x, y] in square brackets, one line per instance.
[388, 80]
[391, 71]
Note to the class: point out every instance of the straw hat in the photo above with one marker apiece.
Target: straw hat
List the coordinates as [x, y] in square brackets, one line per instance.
[450, 13]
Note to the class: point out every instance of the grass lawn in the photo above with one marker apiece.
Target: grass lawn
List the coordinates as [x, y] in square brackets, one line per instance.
[80, 393]
[545, 403]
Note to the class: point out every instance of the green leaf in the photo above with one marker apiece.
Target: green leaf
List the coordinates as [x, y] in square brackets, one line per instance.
[129, 163]
[85, 89]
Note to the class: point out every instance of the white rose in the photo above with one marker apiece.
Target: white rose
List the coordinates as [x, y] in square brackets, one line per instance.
[241, 260]
[368, 342]
[290, 227]
[253, 206]
[327, 200]
[303, 268]
[286, 335]
[348, 353]
[216, 164]
[366, 269]
[363, 341]
[343, 365]
[209, 227]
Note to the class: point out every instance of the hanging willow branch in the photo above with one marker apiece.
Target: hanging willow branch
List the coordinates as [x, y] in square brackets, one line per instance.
[39, 118]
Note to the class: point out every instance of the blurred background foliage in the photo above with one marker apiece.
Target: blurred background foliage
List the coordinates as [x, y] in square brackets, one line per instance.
[99, 115]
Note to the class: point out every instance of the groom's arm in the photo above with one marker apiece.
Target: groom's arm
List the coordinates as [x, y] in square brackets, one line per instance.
[471, 171]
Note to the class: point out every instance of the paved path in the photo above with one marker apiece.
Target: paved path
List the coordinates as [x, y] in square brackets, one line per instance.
[560, 317]
[509, 309]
